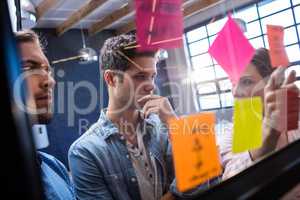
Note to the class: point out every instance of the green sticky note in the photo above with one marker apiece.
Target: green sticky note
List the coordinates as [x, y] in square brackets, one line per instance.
[247, 127]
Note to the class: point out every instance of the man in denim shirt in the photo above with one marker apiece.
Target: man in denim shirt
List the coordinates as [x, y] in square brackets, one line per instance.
[126, 154]
[37, 73]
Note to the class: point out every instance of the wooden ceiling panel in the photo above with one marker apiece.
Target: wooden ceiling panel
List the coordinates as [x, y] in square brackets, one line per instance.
[80, 14]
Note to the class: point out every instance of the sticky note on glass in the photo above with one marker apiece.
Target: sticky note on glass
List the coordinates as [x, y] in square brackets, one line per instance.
[278, 54]
[195, 153]
[247, 124]
[159, 24]
[232, 50]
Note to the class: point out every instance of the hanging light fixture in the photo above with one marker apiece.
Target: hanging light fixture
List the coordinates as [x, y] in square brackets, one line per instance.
[85, 55]
[28, 14]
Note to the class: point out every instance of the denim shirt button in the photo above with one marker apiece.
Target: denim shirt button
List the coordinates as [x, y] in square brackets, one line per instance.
[115, 177]
[133, 179]
[127, 156]
[122, 137]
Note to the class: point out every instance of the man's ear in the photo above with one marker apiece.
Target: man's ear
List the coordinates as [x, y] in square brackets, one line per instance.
[109, 77]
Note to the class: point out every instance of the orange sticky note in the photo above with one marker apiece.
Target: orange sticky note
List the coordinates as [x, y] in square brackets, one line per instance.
[278, 54]
[195, 153]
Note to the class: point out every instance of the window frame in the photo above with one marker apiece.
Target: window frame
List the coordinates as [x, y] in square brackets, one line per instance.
[259, 19]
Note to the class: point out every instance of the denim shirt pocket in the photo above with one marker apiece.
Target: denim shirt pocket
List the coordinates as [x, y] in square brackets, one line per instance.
[115, 182]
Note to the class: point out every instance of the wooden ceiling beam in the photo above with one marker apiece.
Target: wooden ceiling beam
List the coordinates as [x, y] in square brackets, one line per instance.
[111, 18]
[44, 7]
[199, 6]
[189, 10]
[115, 16]
[75, 18]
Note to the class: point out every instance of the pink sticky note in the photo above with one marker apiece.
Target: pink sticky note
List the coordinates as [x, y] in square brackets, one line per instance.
[159, 24]
[232, 50]
[278, 54]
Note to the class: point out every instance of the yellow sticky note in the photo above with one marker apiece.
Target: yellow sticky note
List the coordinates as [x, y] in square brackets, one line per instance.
[195, 153]
[247, 124]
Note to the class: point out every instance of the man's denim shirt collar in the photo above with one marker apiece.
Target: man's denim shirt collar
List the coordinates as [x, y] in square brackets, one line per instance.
[109, 128]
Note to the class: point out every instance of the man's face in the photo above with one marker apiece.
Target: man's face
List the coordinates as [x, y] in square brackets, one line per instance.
[39, 79]
[137, 81]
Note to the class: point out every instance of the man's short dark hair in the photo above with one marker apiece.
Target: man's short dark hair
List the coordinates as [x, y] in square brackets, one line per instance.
[27, 36]
[117, 52]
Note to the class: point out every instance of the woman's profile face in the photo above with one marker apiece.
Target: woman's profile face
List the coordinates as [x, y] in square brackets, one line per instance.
[250, 84]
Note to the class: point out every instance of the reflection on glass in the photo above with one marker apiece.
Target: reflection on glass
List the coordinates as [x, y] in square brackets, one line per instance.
[199, 47]
[215, 93]
[248, 14]
[284, 19]
[205, 88]
[269, 7]
[196, 34]
[200, 61]
[209, 101]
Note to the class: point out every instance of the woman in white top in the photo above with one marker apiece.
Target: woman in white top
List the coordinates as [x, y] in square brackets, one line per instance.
[261, 79]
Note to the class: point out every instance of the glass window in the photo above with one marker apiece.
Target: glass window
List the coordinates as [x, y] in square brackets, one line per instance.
[199, 47]
[290, 36]
[211, 81]
[269, 7]
[209, 102]
[226, 99]
[293, 53]
[295, 68]
[248, 14]
[284, 19]
[257, 42]
[196, 34]
[266, 41]
[297, 13]
[203, 74]
[295, 2]
[205, 88]
[212, 39]
[200, 61]
[253, 30]
[298, 84]
[215, 27]
[225, 85]
[220, 73]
